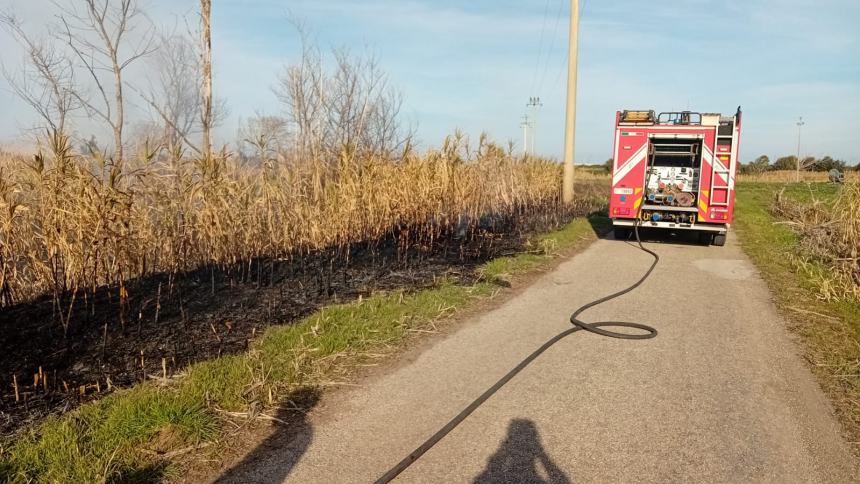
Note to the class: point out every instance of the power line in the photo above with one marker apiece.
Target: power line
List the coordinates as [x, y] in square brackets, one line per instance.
[551, 45]
[540, 45]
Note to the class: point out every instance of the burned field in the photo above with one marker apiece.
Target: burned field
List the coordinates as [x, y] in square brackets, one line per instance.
[156, 326]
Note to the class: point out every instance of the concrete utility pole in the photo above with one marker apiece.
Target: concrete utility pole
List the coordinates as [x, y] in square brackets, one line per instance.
[525, 125]
[800, 124]
[570, 115]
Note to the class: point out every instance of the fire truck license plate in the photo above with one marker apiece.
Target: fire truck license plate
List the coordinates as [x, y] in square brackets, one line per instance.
[624, 191]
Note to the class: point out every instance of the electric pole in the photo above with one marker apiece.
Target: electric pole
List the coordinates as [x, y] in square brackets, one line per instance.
[534, 104]
[800, 124]
[570, 114]
[525, 125]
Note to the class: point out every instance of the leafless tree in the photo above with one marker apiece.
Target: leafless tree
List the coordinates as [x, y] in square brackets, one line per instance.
[206, 62]
[807, 163]
[363, 109]
[267, 136]
[300, 89]
[351, 113]
[174, 95]
[47, 81]
[97, 32]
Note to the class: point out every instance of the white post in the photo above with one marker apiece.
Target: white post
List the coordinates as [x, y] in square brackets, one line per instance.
[800, 124]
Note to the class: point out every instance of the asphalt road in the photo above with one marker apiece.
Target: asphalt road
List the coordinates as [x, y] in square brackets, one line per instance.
[721, 395]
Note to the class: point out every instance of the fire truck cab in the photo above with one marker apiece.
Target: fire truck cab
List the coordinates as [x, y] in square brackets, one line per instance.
[675, 171]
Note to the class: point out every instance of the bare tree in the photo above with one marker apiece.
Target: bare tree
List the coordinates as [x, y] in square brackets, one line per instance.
[268, 136]
[96, 31]
[206, 58]
[300, 89]
[807, 163]
[175, 93]
[352, 112]
[47, 81]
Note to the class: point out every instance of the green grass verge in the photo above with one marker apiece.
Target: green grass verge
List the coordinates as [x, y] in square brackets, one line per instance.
[131, 434]
[830, 330]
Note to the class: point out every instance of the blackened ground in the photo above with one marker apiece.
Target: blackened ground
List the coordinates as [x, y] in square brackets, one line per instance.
[169, 322]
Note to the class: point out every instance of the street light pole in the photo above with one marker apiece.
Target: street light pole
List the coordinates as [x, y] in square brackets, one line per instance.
[570, 114]
[800, 124]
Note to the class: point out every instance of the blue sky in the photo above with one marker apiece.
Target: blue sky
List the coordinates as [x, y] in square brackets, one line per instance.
[473, 65]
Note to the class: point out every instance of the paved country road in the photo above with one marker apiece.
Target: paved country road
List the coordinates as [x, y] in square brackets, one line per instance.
[721, 395]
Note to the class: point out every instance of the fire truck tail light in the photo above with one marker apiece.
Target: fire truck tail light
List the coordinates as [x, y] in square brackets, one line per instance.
[621, 211]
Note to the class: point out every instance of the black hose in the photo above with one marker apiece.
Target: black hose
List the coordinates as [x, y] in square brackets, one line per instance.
[578, 325]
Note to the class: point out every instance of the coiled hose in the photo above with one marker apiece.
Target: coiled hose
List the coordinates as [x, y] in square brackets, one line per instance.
[578, 325]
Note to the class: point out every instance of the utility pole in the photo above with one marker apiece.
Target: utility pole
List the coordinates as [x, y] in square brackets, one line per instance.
[800, 124]
[570, 114]
[534, 104]
[526, 124]
[206, 57]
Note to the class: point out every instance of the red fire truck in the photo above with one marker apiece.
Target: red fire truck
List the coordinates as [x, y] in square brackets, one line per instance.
[675, 171]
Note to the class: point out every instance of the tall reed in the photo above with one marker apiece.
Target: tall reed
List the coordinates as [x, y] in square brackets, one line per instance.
[829, 241]
[70, 224]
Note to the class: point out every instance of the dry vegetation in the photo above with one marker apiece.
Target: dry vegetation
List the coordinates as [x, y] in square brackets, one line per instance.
[829, 233]
[73, 224]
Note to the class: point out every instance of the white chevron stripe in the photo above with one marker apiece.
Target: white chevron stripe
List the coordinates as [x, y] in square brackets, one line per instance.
[715, 160]
[631, 163]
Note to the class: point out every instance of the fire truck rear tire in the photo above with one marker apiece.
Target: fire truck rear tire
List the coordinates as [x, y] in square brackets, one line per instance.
[621, 233]
[720, 240]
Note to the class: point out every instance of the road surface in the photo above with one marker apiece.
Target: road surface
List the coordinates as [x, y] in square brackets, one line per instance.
[721, 395]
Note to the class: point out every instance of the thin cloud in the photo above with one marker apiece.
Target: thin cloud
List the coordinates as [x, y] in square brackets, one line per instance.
[471, 64]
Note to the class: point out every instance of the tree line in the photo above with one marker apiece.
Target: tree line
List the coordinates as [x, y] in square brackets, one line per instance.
[810, 163]
[763, 164]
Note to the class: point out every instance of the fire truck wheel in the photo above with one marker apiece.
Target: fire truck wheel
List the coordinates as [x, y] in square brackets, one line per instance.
[706, 238]
[720, 240]
[621, 233]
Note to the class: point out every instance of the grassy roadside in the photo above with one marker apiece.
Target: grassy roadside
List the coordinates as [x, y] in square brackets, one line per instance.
[134, 434]
[830, 331]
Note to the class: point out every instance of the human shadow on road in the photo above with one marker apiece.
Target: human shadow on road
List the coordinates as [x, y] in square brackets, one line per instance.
[522, 459]
[274, 458]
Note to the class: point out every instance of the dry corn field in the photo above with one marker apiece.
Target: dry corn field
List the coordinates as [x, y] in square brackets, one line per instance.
[829, 240]
[70, 225]
[110, 275]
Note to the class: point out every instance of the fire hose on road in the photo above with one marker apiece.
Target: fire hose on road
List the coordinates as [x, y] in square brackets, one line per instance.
[578, 325]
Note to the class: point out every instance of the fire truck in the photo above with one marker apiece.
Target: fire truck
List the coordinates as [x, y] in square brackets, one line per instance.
[675, 171]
